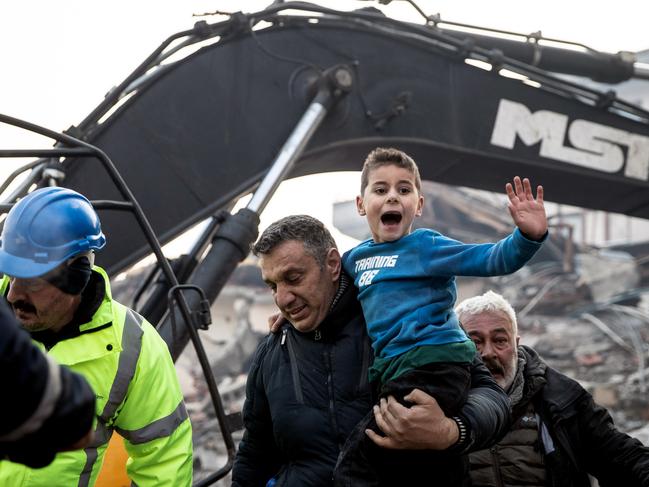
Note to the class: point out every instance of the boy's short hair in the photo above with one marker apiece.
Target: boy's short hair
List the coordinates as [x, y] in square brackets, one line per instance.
[388, 156]
[310, 231]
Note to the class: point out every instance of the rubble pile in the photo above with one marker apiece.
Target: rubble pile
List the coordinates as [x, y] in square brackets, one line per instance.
[239, 322]
[605, 350]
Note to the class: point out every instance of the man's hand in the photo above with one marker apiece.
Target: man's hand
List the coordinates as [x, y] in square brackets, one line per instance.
[423, 426]
[275, 322]
[528, 213]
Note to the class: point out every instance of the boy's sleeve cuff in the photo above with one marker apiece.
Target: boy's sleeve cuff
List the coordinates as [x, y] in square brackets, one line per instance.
[529, 239]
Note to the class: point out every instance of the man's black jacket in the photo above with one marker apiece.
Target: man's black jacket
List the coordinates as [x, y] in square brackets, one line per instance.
[586, 440]
[581, 439]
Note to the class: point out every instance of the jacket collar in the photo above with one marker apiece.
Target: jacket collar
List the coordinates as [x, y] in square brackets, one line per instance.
[98, 337]
[544, 380]
[534, 371]
[344, 308]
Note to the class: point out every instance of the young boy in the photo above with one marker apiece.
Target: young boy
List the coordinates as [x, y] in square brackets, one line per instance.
[407, 291]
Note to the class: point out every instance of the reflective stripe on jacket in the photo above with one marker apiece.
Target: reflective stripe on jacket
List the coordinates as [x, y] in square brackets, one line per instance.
[129, 367]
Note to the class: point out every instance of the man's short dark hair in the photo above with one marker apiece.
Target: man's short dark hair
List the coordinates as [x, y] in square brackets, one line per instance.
[382, 156]
[304, 228]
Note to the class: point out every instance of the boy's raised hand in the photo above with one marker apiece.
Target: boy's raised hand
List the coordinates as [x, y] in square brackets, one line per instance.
[527, 212]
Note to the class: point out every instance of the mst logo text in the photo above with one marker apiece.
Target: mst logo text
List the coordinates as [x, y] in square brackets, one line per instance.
[590, 144]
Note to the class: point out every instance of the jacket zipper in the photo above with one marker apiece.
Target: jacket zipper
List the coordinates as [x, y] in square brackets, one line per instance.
[297, 385]
[496, 466]
[366, 363]
[332, 402]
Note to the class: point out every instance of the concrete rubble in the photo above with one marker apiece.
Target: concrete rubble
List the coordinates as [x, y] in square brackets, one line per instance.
[239, 322]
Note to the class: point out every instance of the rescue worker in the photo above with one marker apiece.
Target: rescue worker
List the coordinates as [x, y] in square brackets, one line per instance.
[46, 255]
[51, 408]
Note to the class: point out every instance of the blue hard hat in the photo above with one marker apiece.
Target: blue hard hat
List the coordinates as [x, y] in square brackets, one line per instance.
[44, 229]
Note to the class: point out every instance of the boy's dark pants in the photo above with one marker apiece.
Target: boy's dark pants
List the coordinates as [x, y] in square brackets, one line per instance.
[362, 463]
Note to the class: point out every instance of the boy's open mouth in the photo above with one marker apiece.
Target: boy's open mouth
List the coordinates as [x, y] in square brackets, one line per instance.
[391, 218]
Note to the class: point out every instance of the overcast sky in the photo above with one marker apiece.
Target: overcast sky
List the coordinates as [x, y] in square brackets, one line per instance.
[59, 58]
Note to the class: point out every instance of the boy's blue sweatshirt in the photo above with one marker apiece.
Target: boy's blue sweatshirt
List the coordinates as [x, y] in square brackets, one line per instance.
[407, 287]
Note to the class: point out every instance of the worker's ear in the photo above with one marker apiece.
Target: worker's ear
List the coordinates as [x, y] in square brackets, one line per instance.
[359, 205]
[333, 264]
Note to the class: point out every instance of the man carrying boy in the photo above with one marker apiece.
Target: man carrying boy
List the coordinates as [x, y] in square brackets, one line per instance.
[307, 385]
[407, 291]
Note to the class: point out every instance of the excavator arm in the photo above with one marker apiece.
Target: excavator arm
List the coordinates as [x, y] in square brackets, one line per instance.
[209, 125]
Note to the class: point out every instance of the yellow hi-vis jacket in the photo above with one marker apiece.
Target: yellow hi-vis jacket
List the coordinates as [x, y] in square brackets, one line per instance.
[129, 367]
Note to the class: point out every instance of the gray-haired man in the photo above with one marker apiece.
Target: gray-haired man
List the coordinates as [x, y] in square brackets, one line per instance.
[558, 434]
